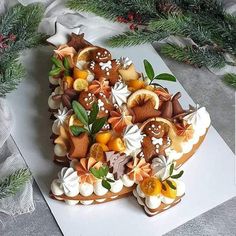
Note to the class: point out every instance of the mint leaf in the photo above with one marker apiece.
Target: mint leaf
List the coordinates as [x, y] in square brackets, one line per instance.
[170, 184]
[163, 186]
[95, 172]
[171, 169]
[105, 184]
[80, 112]
[77, 130]
[66, 63]
[110, 180]
[98, 124]
[93, 113]
[148, 69]
[177, 175]
[57, 62]
[103, 171]
[55, 71]
[165, 76]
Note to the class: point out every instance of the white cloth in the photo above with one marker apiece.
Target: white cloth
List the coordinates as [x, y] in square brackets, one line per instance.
[10, 161]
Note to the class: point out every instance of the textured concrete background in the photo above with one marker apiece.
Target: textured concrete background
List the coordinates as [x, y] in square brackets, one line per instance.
[206, 89]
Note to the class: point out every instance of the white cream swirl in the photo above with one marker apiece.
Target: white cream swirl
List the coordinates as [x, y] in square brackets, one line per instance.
[132, 137]
[161, 166]
[67, 183]
[61, 117]
[120, 93]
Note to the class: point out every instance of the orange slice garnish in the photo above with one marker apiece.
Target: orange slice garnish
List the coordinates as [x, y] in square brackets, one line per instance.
[96, 152]
[141, 96]
[151, 186]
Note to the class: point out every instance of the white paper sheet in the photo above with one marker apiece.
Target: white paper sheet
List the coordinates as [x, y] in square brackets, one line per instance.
[209, 174]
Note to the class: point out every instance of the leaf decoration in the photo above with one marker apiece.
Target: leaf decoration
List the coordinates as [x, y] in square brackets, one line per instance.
[148, 69]
[100, 173]
[66, 63]
[171, 169]
[55, 71]
[177, 176]
[163, 187]
[95, 172]
[165, 76]
[170, 184]
[103, 171]
[106, 184]
[57, 62]
[93, 113]
[80, 112]
[98, 124]
[77, 130]
[110, 180]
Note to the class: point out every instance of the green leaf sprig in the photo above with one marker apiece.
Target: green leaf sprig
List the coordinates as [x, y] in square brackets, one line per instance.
[175, 176]
[92, 124]
[60, 66]
[101, 173]
[151, 75]
[10, 185]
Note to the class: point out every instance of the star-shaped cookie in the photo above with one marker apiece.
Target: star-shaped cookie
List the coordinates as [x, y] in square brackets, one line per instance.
[61, 34]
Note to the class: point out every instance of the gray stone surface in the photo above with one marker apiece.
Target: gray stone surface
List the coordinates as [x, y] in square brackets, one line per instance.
[205, 89]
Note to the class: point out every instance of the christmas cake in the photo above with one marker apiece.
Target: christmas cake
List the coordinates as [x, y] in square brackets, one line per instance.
[115, 131]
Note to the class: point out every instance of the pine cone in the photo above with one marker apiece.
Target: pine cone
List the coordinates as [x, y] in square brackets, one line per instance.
[168, 7]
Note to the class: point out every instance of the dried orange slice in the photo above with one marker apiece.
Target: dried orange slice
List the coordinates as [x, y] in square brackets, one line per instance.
[96, 151]
[116, 144]
[135, 85]
[103, 137]
[69, 81]
[80, 74]
[141, 96]
[85, 54]
[168, 191]
[151, 186]
[80, 85]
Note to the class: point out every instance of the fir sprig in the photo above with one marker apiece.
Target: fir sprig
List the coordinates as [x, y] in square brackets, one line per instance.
[230, 79]
[14, 182]
[205, 22]
[22, 23]
[194, 55]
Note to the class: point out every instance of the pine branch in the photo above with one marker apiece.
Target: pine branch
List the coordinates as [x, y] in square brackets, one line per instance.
[182, 26]
[194, 56]
[109, 9]
[9, 79]
[143, 7]
[230, 79]
[21, 22]
[135, 38]
[14, 182]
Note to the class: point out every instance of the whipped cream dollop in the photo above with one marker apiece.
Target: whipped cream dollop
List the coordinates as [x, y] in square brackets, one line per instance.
[61, 117]
[132, 137]
[67, 183]
[154, 202]
[53, 81]
[161, 166]
[124, 62]
[120, 93]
